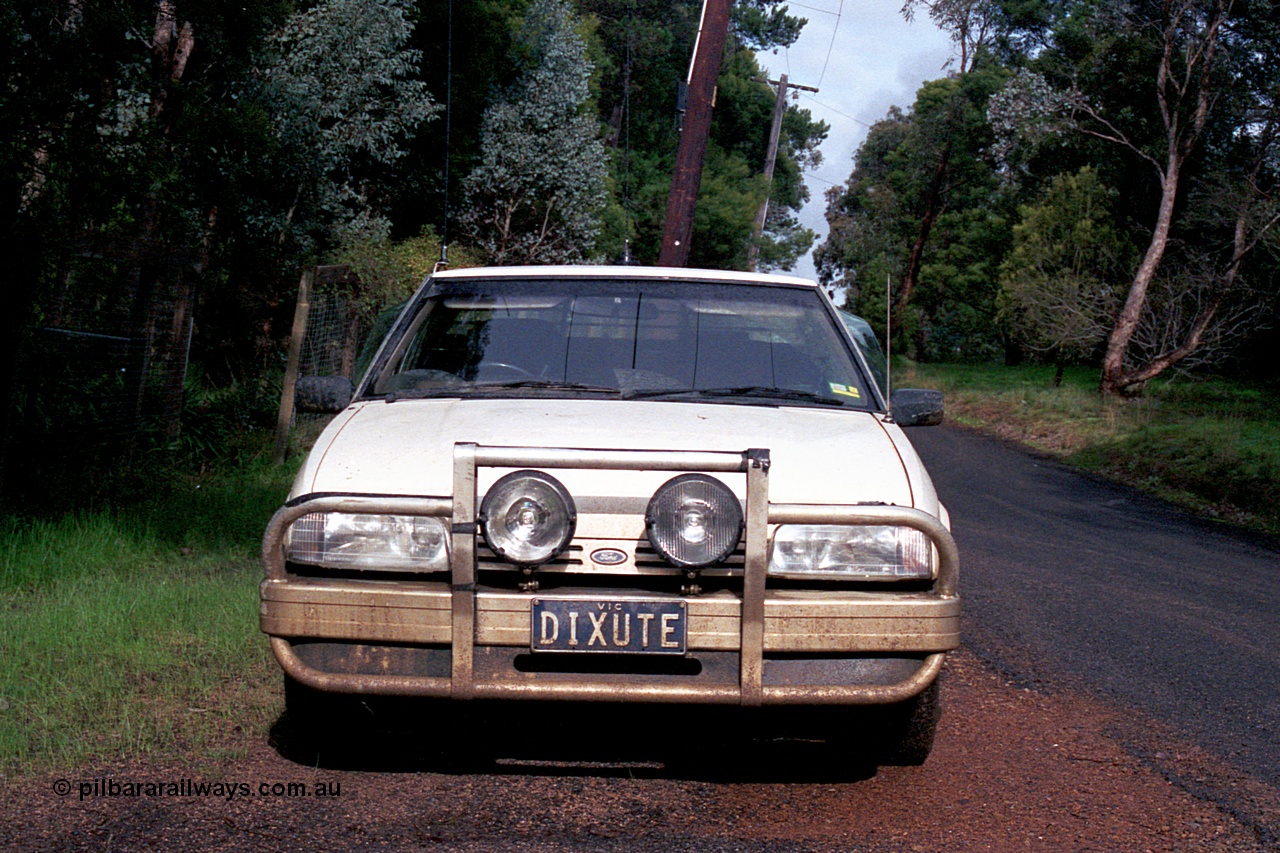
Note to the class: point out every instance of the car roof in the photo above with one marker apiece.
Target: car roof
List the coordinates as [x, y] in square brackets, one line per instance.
[631, 272]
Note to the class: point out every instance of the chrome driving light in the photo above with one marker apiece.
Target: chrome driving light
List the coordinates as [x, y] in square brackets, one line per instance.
[693, 520]
[528, 518]
[395, 543]
[853, 552]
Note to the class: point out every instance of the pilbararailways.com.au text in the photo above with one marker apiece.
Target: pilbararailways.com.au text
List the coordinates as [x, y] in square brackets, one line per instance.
[110, 786]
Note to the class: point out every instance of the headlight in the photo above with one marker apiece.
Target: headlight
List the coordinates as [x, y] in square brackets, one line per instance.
[528, 517]
[694, 520]
[854, 552]
[396, 543]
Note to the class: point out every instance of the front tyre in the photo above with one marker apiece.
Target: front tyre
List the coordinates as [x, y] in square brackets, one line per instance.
[323, 723]
[907, 729]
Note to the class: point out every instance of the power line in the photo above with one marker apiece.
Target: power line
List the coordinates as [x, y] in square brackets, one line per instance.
[836, 111]
[626, 141]
[813, 176]
[835, 29]
[815, 8]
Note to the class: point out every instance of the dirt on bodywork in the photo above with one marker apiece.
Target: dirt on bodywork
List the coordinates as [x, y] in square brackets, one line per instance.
[1014, 768]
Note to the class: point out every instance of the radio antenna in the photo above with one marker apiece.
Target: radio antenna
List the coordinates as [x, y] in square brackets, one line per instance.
[443, 263]
[888, 344]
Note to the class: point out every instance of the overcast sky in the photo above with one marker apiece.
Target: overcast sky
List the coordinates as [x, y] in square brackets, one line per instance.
[864, 58]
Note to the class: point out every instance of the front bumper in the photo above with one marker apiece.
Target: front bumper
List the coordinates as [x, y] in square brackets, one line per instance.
[749, 646]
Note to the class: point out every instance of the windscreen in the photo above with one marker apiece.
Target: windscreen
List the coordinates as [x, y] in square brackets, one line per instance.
[622, 337]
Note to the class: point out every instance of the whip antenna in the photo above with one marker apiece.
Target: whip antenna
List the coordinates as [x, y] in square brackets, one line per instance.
[888, 343]
[448, 122]
[626, 139]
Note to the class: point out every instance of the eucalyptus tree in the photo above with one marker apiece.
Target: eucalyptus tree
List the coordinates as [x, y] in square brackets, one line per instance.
[539, 189]
[342, 86]
[973, 26]
[118, 140]
[923, 207]
[1185, 91]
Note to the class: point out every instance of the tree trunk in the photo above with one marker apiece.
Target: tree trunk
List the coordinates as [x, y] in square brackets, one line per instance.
[932, 209]
[1116, 381]
[1182, 131]
[1241, 246]
[171, 47]
[156, 276]
[23, 253]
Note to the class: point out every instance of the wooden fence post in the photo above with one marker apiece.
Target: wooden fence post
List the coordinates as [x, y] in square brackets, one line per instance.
[291, 366]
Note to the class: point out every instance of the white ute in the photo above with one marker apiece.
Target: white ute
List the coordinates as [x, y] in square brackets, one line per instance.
[620, 484]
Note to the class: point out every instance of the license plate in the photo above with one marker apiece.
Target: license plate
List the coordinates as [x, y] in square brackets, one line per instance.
[609, 625]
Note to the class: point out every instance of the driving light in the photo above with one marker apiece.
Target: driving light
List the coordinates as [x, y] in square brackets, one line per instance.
[854, 552]
[528, 517]
[395, 543]
[693, 520]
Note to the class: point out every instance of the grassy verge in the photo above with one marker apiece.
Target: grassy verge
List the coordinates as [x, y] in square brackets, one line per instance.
[1210, 444]
[134, 632]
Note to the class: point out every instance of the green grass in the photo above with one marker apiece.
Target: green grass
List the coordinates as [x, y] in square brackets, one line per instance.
[135, 632]
[1210, 444]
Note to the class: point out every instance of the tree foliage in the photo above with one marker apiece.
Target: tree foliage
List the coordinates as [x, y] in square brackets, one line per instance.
[537, 194]
[924, 209]
[1172, 103]
[169, 166]
[1184, 94]
[342, 88]
[1060, 284]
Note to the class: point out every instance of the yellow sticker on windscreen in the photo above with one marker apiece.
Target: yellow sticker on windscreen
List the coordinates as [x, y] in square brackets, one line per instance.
[845, 390]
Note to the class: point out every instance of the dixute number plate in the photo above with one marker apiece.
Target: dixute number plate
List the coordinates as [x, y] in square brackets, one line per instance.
[609, 625]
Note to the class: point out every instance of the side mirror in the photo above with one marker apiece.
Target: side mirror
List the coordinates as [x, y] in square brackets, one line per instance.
[916, 407]
[323, 395]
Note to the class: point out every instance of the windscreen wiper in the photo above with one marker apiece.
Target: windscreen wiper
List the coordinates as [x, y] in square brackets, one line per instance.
[548, 384]
[422, 393]
[466, 389]
[751, 392]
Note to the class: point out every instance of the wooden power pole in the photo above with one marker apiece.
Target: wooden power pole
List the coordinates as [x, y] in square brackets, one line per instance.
[703, 72]
[770, 160]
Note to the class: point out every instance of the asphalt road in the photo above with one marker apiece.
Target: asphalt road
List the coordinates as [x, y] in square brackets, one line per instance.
[1067, 578]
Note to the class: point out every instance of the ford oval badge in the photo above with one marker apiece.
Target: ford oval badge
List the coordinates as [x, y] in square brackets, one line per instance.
[608, 556]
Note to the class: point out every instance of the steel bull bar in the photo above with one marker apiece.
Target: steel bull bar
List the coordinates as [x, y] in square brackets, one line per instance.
[460, 631]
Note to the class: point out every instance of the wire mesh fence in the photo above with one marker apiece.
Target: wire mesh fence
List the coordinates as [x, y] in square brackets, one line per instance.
[101, 378]
[334, 331]
[328, 347]
[101, 374]
[340, 329]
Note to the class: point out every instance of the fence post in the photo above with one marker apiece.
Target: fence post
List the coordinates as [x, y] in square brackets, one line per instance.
[291, 366]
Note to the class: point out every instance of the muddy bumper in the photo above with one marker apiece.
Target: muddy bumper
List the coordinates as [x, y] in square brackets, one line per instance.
[449, 636]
